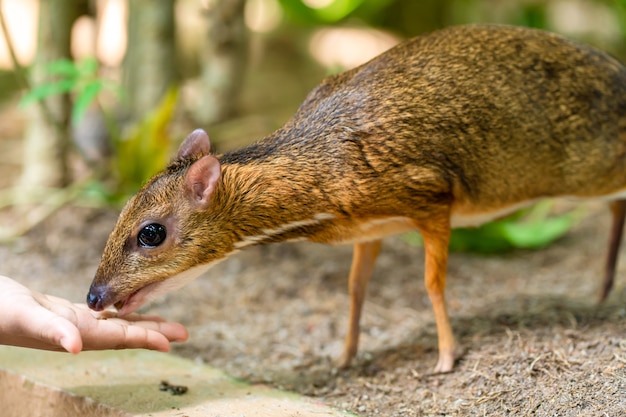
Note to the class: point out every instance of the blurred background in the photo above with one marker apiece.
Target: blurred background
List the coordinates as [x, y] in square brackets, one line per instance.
[96, 95]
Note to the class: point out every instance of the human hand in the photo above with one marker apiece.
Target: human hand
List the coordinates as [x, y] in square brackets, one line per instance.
[34, 320]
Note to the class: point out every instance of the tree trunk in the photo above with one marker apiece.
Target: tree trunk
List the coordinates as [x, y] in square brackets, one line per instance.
[222, 60]
[150, 62]
[47, 136]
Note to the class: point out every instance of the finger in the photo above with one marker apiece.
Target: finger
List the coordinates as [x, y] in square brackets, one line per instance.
[47, 330]
[113, 335]
[97, 331]
[132, 317]
[29, 342]
[118, 333]
[70, 338]
[57, 324]
[174, 332]
[32, 323]
[135, 317]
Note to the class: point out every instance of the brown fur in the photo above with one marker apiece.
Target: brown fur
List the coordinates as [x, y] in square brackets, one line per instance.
[469, 120]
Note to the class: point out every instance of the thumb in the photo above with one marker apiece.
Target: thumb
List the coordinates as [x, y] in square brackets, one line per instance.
[52, 329]
[66, 335]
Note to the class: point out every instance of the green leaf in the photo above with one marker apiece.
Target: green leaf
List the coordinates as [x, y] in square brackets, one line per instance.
[531, 228]
[44, 91]
[537, 235]
[64, 67]
[485, 239]
[145, 150]
[84, 100]
[95, 193]
[333, 12]
[337, 10]
[88, 67]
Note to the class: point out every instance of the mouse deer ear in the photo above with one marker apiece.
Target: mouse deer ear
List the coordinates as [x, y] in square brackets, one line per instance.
[197, 143]
[201, 180]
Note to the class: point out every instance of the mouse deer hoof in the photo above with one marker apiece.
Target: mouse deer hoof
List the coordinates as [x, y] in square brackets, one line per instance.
[444, 364]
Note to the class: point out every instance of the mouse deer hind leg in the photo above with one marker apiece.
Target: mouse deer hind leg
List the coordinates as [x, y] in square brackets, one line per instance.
[618, 210]
[436, 236]
[363, 261]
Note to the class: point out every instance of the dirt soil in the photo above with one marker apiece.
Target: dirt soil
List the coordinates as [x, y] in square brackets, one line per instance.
[533, 340]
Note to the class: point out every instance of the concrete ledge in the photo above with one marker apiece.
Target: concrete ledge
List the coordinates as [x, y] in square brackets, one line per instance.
[126, 383]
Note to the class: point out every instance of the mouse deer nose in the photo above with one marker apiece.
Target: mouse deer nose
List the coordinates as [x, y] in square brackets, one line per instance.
[96, 297]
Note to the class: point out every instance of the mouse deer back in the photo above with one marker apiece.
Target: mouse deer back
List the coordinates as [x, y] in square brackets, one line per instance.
[449, 129]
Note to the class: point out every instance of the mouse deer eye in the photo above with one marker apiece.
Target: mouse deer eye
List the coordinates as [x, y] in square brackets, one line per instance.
[151, 236]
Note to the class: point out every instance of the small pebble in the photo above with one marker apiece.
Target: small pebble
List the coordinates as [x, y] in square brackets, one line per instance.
[173, 389]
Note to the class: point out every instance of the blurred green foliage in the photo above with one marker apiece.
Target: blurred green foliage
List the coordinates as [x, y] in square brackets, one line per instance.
[147, 148]
[334, 12]
[410, 17]
[67, 76]
[531, 228]
[142, 151]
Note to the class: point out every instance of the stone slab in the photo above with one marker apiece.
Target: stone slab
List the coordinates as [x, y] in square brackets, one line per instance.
[126, 383]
